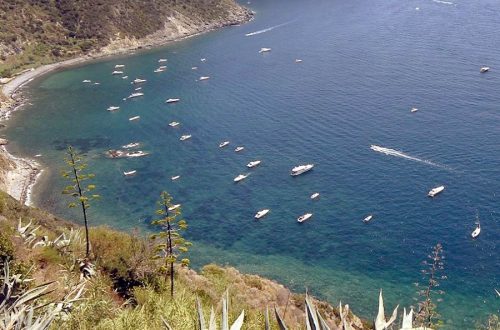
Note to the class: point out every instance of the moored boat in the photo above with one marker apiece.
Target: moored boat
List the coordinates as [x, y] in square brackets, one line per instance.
[476, 231]
[114, 73]
[261, 213]
[174, 207]
[223, 144]
[138, 153]
[239, 149]
[134, 118]
[297, 170]
[134, 95]
[87, 81]
[253, 163]
[131, 145]
[413, 110]
[298, 61]
[158, 70]
[125, 77]
[113, 108]
[434, 191]
[162, 60]
[185, 137]
[264, 50]
[175, 177]
[119, 66]
[204, 78]
[315, 195]
[174, 124]
[368, 218]
[172, 100]
[241, 177]
[304, 217]
[139, 81]
[130, 173]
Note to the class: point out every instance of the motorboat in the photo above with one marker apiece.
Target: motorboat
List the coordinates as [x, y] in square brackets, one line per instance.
[223, 144]
[133, 95]
[185, 137]
[484, 69]
[368, 218]
[261, 213]
[97, 83]
[158, 70]
[131, 145]
[116, 72]
[130, 173]
[253, 164]
[162, 67]
[264, 50]
[298, 61]
[203, 59]
[204, 78]
[86, 81]
[434, 191]
[174, 207]
[498, 292]
[194, 68]
[238, 149]
[116, 153]
[476, 231]
[138, 153]
[297, 170]
[134, 118]
[172, 100]
[304, 217]
[413, 110]
[162, 60]
[138, 81]
[315, 195]
[175, 177]
[174, 124]
[125, 77]
[241, 177]
[113, 108]
[137, 89]
[118, 66]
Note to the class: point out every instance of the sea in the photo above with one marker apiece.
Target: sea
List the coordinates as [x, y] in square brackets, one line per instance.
[365, 65]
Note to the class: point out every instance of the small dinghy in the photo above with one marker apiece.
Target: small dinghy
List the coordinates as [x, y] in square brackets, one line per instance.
[315, 195]
[368, 218]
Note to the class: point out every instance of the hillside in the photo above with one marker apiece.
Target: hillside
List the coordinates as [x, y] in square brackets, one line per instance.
[37, 32]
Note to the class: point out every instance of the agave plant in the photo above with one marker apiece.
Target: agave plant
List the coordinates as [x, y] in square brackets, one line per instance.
[380, 321]
[212, 324]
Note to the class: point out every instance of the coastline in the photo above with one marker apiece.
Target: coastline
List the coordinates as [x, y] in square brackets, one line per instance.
[19, 175]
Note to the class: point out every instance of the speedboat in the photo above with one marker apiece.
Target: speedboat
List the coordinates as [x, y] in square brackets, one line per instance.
[131, 96]
[130, 173]
[204, 78]
[304, 217]
[368, 218]
[297, 170]
[172, 100]
[175, 177]
[253, 164]
[138, 80]
[484, 69]
[241, 177]
[134, 118]
[298, 61]
[223, 144]
[118, 66]
[185, 137]
[203, 59]
[162, 60]
[97, 83]
[163, 67]
[131, 145]
[194, 68]
[174, 207]
[315, 195]
[116, 72]
[238, 149]
[158, 70]
[125, 77]
[264, 50]
[138, 153]
[476, 231]
[434, 191]
[137, 89]
[174, 124]
[413, 110]
[261, 213]
[87, 81]
[498, 293]
[113, 108]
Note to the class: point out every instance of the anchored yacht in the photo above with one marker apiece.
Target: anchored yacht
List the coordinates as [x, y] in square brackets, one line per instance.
[112, 108]
[134, 118]
[139, 80]
[315, 195]
[254, 163]
[261, 213]
[130, 173]
[264, 50]
[174, 124]
[223, 144]
[304, 217]
[241, 177]
[131, 145]
[368, 218]
[185, 137]
[238, 149]
[434, 191]
[297, 170]
[175, 177]
[172, 100]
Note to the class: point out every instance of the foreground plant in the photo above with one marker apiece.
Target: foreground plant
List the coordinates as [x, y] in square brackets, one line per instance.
[170, 243]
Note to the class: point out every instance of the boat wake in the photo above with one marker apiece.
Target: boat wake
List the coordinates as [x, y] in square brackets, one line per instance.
[443, 2]
[265, 30]
[400, 154]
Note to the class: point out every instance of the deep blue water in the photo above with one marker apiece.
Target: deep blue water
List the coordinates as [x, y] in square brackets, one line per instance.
[365, 65]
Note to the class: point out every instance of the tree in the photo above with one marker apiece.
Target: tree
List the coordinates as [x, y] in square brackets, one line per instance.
[78, 190]
[170, 243]
[427, 315]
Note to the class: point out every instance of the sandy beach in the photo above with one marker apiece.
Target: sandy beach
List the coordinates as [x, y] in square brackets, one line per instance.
[19, 175]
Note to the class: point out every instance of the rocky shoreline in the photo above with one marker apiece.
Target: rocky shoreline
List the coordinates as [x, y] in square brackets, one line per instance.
[19, 175]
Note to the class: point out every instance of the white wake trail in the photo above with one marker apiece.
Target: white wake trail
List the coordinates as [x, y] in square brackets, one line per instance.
[265, 30]
[444, 2]
[400, 154]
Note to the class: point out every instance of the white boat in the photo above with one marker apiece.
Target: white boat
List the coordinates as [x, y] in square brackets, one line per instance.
[315, 195]
[194, 68]
[223, 144]
[434, 191]
[158, 70]
[174, 207]
[297, 170]
[484, 69]
[175, 177]
[238, 149]
[368, 218]
[134, 118]
[264, 50]
[125, 77]
[261, 213]
[413, 110]
[298, 61]
[139, 80]
[162, 67]
[138, 153]
[162, 60]
[203, 59]
[118, 66]
[174, 124]
[38, 155]
[97, 83]
[112, 108]
[476, 231]
[172, 100]
[131, 145]
[137, 89]
[241, 177]
[130, 173]
[204, 78]
[498, 293]
[253, 164]
[185, 137]
[87, 81]
[304, 217]
[133, 95]
[116, 72]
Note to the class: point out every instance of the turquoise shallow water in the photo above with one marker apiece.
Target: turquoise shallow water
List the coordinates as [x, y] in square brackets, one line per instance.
[365, 64]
